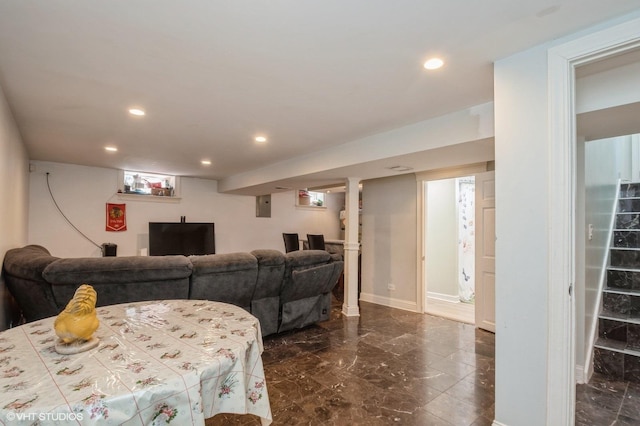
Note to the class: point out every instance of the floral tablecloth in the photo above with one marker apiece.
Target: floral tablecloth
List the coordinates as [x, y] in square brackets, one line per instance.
[165, 362]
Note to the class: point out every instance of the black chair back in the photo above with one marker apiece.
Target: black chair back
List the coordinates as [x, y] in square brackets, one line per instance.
[291, 242]
[316, 242]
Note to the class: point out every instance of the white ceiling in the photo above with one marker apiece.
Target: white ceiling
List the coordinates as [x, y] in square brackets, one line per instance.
[212, 74]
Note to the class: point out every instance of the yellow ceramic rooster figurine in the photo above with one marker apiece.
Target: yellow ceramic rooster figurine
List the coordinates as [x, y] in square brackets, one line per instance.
[77, 323]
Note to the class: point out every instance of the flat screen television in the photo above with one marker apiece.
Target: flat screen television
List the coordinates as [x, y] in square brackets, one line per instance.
[186, 238]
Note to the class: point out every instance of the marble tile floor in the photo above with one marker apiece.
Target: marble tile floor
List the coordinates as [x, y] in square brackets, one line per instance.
[607, 402]
[388, 366]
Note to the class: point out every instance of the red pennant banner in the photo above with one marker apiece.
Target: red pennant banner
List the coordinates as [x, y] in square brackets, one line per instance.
[116, 217]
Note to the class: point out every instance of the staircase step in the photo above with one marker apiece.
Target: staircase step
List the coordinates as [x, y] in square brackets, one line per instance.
[624, 258]
[629, 204]
[612, 329]
[627, 221]
[631, 189]
[616, 333]
[617, 290]
[626, 238]
[622, 304]
[617, 362]
[616, 316]
[623, 279]
[616, 346]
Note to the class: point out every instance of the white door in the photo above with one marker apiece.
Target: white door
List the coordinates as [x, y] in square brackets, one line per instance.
[485, 251]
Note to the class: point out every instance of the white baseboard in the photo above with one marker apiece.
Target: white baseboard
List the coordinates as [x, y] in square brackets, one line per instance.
[580, 376]
[444, 297]
[497, 423]
[449, 315]
[588, 372]
[389, 301]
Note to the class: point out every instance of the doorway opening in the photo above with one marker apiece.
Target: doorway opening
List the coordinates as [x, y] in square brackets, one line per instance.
[450, 248]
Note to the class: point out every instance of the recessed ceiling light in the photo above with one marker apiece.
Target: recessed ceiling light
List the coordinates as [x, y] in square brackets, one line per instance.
[261, 139]
[433, 63]
[110, 148]
[548, 11]
[136, 111]
[206, 162]
[400, 168]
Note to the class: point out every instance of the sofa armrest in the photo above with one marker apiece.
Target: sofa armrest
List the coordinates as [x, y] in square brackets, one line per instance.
[22, 269]
[28, 262]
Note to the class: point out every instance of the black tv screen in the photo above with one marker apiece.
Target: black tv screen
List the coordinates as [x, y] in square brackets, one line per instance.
[186, 238]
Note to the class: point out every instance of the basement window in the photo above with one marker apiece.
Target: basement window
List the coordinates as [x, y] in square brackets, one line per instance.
[152, 185]
[308, 198]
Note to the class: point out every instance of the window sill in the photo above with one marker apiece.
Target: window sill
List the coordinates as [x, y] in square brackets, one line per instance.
[148, 198]
[298, 206]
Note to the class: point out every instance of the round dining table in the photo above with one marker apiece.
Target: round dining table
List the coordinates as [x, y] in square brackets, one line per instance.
[160, 362]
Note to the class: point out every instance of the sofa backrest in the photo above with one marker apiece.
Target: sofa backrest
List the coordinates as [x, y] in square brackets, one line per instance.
[226, 277]
[120, 279]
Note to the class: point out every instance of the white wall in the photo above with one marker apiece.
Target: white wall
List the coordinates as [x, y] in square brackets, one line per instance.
[522, 191]
[441, 254]
[82, 192]
[614, 87]
[14, 175]
[389, 241]
[523, 210]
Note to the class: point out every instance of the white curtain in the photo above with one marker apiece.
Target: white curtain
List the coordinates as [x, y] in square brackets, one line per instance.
[465, 194]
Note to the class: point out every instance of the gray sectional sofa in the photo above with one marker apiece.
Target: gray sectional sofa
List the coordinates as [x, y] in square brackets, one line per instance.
[284, 291]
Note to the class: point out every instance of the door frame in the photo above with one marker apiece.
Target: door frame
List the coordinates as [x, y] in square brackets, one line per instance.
[421, 181]
[562, 143]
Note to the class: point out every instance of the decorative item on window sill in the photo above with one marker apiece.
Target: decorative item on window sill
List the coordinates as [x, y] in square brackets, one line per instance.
[303, 197]
[140, 183]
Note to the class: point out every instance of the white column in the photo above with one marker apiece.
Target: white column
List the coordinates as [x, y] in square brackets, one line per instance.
[351, 248]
